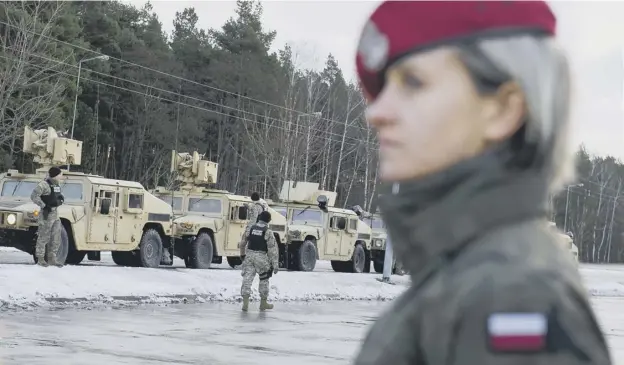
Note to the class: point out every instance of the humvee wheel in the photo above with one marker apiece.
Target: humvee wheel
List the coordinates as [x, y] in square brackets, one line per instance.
[234, 261]
[200, 256]
[124, 258]
[306, 256]
[75, 257]
[150, 249]
[378, 266]
[358, 260]
[63, 250]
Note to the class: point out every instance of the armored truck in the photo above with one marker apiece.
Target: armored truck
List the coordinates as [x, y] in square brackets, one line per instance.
[99, 214]
[567, 240]
[378, 243]
[317, 230]
[209, 223]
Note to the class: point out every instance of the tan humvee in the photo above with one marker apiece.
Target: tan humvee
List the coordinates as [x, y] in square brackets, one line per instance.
[209, 223]
[567, 240]
[99, 214]
[317, 230]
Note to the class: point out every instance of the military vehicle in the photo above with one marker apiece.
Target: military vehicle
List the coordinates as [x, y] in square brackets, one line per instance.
[209, 223]
[317, 230]
[99, 214]
[567, 240]
[378, 243]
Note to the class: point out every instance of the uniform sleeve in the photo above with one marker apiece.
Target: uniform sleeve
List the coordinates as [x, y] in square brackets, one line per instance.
[243, 244]
[272, 247]
[36, 194]
[535, 321]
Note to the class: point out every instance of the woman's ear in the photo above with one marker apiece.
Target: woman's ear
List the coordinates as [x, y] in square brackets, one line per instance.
[505, 112]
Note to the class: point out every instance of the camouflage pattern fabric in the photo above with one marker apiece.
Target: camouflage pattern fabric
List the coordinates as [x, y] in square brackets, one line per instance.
[49, 226]
[258, 262]
[253, 209]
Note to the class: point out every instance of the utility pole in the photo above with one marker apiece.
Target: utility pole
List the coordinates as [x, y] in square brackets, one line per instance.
[565, 219]
[102, 57]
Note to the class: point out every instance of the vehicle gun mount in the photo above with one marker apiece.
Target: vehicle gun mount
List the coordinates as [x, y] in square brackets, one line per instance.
[305, 192]
[51, 148]
[361, 212]
[192, 170]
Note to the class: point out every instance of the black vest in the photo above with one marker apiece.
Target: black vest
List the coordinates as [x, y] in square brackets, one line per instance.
[52, 199]
[256, 240]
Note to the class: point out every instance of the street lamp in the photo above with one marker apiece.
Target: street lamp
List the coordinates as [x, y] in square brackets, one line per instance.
[565, 219]
[102, 57]
[317, 116]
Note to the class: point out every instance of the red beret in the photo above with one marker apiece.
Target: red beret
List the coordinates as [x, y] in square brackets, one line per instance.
[400, 28]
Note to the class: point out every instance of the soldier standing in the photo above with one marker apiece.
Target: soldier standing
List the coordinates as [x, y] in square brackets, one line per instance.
[47, 195]
[470, 102]
[257, 206]
[261, 259]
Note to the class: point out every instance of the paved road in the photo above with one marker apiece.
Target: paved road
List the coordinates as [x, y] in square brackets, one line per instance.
[312, 333]
[315, 333]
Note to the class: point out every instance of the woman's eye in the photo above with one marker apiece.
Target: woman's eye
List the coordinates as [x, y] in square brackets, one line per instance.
[411, 81]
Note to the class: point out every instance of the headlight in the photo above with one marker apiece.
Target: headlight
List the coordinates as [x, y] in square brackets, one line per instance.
[186, 225]
[377, 243]
[11, 219]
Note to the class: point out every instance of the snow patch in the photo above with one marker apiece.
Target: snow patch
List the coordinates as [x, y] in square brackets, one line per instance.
[29, 286]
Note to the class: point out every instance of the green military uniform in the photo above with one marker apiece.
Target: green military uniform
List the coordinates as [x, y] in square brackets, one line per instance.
[476, 242]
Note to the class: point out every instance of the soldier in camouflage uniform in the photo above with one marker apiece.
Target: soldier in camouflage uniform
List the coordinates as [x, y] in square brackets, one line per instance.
[47, 195]
[258, 206]
[470, 102]
[261, 259]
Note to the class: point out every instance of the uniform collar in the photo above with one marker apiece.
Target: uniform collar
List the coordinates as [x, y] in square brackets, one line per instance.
[435, 217]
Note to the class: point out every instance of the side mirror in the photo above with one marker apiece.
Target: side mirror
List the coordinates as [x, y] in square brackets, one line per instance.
[242, 212]
[322, 202]
[105, 204]
[342, 223]
[570, 234]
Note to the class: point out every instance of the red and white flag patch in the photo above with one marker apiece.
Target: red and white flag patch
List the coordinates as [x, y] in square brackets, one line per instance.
[517, 332]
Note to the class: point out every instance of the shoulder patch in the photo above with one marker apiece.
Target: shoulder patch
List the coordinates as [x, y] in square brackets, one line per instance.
[517, 332]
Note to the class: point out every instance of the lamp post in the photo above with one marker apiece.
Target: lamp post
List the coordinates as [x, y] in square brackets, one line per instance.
[565, 219]
[102, 57]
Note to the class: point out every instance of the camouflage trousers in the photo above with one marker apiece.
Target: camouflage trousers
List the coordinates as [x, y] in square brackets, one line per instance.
[48, 234]
[256, 262]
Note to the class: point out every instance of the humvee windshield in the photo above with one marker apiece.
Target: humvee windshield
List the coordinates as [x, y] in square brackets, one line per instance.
[200, 205]
[281, 211]
[177, 201]
[23, 189]
[307, 216]
[376, 223]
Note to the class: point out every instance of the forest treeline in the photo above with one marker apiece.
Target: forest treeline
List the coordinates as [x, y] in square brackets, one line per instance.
[223, 92]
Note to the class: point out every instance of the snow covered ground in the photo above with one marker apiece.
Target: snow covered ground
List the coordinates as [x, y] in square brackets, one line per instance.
[24, 285]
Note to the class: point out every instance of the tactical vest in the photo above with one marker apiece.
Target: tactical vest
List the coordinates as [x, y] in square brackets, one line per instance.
[53, 199]
[256, 240]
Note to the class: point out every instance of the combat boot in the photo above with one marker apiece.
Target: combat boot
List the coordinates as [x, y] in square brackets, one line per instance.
[42, 262]
[264, 305]
[245, 303]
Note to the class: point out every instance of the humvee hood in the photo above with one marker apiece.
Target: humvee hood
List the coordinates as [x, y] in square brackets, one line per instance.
[18, 206]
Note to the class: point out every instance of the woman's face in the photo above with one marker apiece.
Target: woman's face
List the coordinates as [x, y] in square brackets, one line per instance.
[429, 116]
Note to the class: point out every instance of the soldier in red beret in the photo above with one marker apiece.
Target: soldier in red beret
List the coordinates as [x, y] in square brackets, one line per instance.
[470, 102]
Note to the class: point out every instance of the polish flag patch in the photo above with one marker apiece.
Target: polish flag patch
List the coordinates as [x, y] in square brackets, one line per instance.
[517, 332]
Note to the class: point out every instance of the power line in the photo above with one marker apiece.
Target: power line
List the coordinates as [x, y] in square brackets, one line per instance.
[193, 98]
[162, 72]
[351, 144]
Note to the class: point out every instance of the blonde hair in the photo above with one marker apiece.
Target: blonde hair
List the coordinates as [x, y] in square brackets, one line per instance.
[542, 70]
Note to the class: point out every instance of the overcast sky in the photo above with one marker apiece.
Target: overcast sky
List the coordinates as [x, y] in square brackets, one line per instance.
[591, 31]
